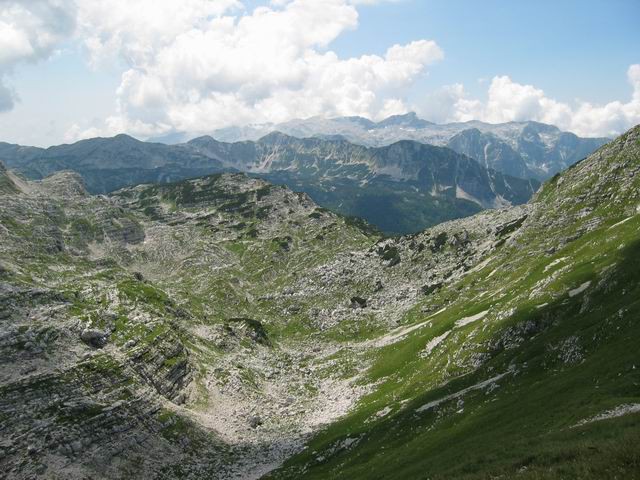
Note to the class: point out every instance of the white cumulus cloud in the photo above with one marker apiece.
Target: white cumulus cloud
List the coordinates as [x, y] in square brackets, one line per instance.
[511, 101]
[197, 65]
[30, 31]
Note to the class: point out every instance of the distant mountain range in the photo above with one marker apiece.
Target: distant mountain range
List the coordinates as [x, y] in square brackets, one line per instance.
[400, 188]
[521, 149]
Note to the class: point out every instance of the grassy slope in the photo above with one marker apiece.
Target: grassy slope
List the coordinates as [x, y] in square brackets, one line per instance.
[565, 358]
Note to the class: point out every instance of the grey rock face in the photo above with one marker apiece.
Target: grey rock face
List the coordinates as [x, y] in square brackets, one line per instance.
[491, 152]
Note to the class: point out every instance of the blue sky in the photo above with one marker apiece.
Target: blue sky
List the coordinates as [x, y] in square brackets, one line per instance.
[569, 48]
[546, 59]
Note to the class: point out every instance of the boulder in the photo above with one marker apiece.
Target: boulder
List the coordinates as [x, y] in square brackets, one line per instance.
[94, 338]
[429, 289]
[255, 422]
[358, 302]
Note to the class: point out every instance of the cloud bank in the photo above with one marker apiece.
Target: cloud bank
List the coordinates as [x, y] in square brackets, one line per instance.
[29, 32]
[197, 65]
[208, 64]
[511, 101]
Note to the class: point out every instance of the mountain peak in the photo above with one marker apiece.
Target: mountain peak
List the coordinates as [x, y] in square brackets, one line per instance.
[123, 137]
[410, 119]
[202, 140]
[276, 137]
[468, 133]
[356, 120]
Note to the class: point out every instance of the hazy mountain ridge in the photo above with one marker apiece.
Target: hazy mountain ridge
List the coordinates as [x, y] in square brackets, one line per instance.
[544, 149]
[433, 169]
[403, 187]
[107, 164]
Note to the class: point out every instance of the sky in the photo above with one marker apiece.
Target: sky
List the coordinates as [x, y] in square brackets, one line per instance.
[73, 69]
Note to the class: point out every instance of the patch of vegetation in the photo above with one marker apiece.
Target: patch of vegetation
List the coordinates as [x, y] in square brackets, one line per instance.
[137, 291]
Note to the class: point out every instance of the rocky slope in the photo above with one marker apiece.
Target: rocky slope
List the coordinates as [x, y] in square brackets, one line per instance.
[224, 327]
[142, 323]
